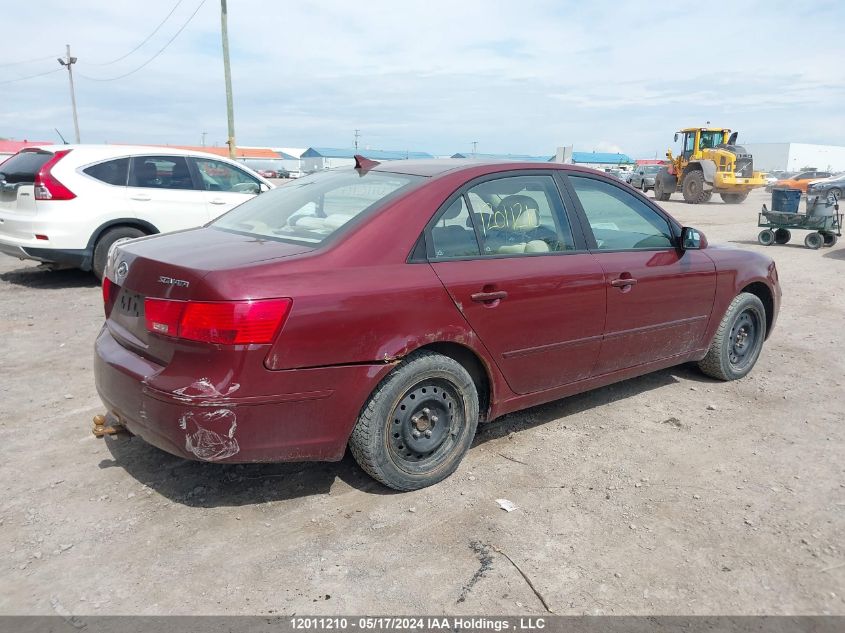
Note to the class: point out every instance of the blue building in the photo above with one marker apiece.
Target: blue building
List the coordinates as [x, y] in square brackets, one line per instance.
[601, 160]
[522, 158]
[317, 158]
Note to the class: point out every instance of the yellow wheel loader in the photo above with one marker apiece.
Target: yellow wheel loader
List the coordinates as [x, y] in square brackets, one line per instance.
[710, 162]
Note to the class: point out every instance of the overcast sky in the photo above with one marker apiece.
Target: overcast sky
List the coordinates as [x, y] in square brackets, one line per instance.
[518, 76]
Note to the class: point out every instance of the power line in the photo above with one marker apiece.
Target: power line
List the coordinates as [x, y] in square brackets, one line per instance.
[10, 81]
[27, 61]
[147, 39]
[160, 51]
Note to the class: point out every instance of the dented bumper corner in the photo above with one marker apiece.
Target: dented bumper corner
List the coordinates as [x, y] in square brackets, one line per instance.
[223, 416]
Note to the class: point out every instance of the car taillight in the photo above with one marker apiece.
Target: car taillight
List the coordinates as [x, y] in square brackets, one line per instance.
[221, 322]
[46, 185]
[110, 290]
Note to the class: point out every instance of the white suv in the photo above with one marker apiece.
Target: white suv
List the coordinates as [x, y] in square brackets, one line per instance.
[65, 205]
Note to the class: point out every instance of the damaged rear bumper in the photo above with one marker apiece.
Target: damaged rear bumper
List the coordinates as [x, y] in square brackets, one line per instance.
[309, 417]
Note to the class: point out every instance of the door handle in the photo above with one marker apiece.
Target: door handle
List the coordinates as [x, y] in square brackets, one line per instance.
[486, 297]
[217, 201]
[142, 197]
[623, 282]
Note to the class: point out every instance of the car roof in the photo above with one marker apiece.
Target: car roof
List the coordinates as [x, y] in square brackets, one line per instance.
[438, 166]
[107, 151]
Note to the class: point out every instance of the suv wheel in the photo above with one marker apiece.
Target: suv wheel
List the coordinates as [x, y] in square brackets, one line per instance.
[418, 423]
[107, 239]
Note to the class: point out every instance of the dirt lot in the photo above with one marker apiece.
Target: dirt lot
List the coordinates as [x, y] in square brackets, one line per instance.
[668, 494]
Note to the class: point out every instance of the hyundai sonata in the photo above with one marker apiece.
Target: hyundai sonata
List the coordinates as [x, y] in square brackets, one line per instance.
[392, 307]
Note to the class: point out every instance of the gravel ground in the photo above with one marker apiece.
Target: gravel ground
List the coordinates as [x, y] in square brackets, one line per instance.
[668, 494]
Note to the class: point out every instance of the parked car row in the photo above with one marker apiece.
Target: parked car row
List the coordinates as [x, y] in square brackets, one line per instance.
[279, 172]
[66, 205]
[833, 186]
[800, 181]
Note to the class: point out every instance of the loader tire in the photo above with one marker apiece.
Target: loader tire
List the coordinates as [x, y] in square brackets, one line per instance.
[693, 188]
[660, 193]
[734, 198]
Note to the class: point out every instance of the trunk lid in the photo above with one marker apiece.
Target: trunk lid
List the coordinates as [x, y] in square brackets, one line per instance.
[174, 266]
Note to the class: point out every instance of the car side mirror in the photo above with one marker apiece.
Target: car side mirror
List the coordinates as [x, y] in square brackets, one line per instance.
[691, 239]
[262, 188]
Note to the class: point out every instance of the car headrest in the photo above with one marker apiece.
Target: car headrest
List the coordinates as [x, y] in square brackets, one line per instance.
[518, 213]
[454, 209]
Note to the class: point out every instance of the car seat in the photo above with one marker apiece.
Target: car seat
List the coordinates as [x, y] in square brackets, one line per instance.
[514, 227]
[453, 240]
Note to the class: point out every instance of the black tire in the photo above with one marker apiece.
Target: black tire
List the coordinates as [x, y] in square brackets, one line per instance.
[782, 236]
[734, 198]
[766, 237]
[836, 192]
[830, 239]
[659, 192]
[707, 196]
[693, 187]
[404, 418]
[738, 341]
[813, 240]
[101, 249]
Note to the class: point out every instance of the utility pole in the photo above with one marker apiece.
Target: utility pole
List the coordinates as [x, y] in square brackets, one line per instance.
[230, 110]
[68, 62]
[203, 138]
[474, 147]
[357, 134]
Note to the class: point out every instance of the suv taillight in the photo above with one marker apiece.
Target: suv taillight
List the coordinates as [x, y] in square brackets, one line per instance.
[220, 322]
[46, 185]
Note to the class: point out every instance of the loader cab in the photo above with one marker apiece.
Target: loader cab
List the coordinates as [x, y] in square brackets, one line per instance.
[690, 143]
[696, 140]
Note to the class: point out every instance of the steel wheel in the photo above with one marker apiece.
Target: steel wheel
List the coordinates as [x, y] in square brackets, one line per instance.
[425, 425]
[737, 344]
[418, 423]
[743, 339]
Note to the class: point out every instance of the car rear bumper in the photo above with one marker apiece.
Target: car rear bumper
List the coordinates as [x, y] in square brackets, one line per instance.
[309, 418]
[74, 258]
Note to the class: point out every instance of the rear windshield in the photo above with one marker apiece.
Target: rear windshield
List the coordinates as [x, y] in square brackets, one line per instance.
[23, 166]
[312, 208]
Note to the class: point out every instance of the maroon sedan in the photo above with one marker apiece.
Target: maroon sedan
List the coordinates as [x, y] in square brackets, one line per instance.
[391, 307]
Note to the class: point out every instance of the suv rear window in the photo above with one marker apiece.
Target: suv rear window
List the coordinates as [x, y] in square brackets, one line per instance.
[23, 166]
[312, 208]
[112, 172]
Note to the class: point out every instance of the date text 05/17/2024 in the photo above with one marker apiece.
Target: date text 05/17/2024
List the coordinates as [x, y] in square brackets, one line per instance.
[469, 624]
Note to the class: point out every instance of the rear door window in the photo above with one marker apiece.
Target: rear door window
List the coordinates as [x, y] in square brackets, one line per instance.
[453, 235]
[23, 167]
[161, 172]
[519, 214]
[111, 172]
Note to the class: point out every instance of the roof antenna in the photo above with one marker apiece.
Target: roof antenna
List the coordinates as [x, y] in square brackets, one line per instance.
[60, 135]
[364, 164]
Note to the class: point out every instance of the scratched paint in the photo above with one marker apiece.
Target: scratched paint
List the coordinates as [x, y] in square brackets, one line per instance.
[204, 387]
[210, 436]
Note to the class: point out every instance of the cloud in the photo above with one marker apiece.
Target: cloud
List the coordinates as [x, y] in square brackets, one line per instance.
[434, 75]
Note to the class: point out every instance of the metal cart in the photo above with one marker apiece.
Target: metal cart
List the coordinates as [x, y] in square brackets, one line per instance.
[822, 219]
